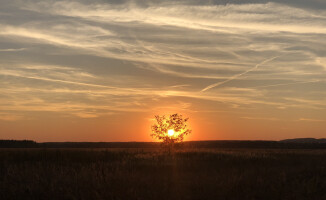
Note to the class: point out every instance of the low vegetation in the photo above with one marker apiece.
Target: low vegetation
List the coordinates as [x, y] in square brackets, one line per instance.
[152, 174]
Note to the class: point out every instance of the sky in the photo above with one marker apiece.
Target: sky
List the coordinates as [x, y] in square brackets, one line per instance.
[99, 70]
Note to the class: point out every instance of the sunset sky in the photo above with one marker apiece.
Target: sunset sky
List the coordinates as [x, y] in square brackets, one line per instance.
[99, 70]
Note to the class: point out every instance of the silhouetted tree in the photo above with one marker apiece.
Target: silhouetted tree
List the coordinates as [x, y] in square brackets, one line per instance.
[170, 130]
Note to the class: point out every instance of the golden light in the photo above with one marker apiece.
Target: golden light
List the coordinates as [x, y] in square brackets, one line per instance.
[170, 129]
[170, 132]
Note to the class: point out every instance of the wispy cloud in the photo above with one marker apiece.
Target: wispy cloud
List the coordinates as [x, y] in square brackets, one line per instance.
[261, 118]
[312, 120]
[88, 59]
[12, 50]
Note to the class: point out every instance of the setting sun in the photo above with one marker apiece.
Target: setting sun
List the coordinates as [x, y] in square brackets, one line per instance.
[170, 129]
[171, 132]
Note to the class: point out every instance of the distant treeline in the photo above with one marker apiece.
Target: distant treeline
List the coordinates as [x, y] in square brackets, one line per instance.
[254, 144]
[190, 144]
[18, 144]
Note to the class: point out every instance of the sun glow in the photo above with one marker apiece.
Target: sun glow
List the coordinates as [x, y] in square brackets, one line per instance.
[170, 129]
[170, 132]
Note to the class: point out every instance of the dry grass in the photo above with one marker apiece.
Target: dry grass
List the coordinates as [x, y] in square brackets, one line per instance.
[152, 174]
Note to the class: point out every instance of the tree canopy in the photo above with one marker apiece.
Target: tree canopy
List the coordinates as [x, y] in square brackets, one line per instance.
[171, 129]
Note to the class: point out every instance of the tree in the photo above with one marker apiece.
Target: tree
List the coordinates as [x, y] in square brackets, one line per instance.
[170, 130]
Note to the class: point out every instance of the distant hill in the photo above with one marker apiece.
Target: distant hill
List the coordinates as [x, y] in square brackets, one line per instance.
[304, 140]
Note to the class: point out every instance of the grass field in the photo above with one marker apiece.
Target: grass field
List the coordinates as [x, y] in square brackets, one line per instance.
[152, 174]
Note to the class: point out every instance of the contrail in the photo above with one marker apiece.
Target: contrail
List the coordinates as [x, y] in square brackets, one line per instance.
[285, 84]
[238, 75]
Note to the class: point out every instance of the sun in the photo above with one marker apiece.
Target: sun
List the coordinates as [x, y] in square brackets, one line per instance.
[170, 132]
[170, 129]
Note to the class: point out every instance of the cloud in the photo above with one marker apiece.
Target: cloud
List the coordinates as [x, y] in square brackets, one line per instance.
[260, 118]
[321, 61]
[203, 17]
[92, 57]
[311, 120]
[12, 50]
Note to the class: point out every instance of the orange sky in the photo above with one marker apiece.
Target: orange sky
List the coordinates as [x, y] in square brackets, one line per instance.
[99, 71]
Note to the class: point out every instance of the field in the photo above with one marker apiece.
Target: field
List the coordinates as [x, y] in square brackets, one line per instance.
[153, 174]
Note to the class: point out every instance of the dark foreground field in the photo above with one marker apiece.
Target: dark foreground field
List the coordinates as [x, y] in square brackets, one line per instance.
[151, 174]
